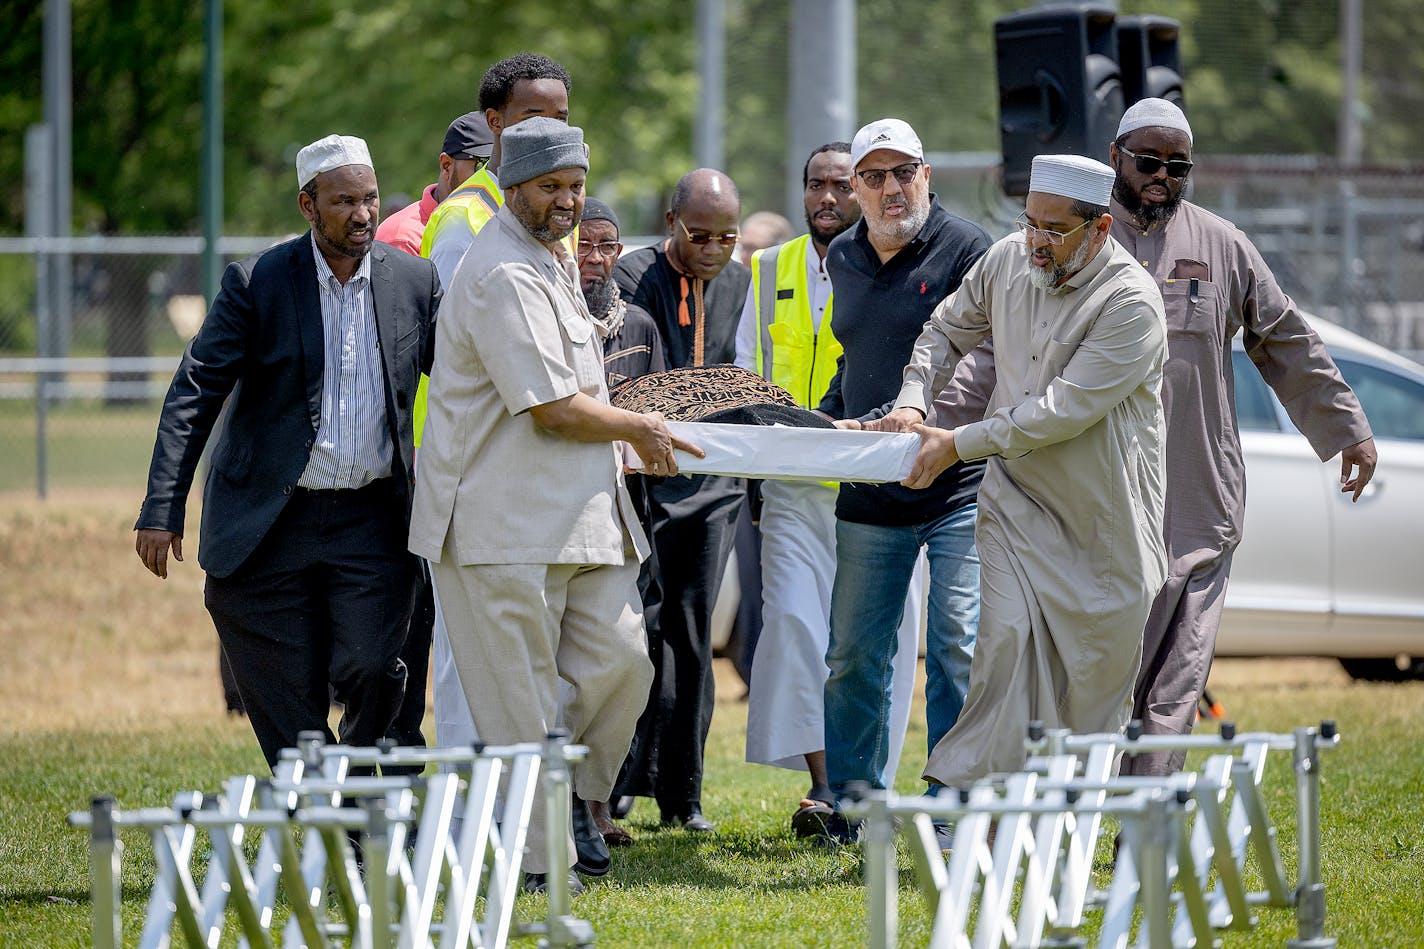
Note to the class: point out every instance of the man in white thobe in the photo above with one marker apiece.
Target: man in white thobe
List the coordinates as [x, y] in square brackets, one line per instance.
[1070, 509]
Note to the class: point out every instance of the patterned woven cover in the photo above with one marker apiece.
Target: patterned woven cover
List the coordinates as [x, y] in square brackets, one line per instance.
[695, 392]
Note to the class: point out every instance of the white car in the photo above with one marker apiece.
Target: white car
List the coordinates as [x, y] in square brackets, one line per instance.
[1317, 575]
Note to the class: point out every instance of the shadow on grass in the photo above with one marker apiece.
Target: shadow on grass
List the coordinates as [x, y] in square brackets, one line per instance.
[63, 897]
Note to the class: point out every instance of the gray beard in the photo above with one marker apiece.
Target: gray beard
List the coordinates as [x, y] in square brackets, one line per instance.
[901, 232]
[605, 305]
[1046, 280]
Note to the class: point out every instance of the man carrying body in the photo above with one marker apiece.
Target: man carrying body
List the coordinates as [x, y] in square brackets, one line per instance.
[1070, 511]
[1214, 284]
[467, 148]
[520, 506]
[889, 271]
[317, 345]
[785, 335]
[694, 292]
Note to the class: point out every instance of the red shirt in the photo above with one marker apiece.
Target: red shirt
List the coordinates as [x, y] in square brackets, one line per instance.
[405, 228]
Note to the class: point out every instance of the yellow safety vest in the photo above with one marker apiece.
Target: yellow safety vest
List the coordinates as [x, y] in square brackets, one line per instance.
[473, 205]
[789, 350]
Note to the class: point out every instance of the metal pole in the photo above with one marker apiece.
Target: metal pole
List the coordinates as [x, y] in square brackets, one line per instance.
[707, 139]
[39, 209]
[881, 881]
[1350, 137]
[105, 852]
[212, 150]
[58, 104]
[1310, 891]
[821, 105]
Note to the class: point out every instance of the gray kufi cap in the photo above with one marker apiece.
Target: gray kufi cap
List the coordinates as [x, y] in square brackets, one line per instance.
[1153, 113]
[1072, 176]
[538, 146]
[325, 154]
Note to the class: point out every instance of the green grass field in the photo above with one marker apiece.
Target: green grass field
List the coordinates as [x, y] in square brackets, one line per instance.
[109, 687]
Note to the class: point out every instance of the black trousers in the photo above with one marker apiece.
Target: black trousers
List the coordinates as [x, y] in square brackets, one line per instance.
[693, 521]
[405, 727]
[320, 609]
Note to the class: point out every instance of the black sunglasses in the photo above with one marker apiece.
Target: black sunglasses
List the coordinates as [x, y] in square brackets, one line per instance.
[1148, 165]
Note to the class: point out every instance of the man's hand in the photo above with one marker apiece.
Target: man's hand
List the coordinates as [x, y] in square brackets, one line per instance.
[1360, 455]
[654, 445]
[152, 547]
[936, 454]
[900, 420]
[848, 424]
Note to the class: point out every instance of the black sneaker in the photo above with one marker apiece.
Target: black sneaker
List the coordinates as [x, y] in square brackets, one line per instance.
[839, 831]
[690, 820]
[537, 883]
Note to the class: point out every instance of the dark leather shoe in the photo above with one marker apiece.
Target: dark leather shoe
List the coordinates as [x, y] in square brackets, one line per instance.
[537, 883]
[593, 856]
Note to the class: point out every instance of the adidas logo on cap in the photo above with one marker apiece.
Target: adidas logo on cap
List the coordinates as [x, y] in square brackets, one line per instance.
[882, 137]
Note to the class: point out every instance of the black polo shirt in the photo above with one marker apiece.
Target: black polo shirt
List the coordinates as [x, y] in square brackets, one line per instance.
[878, 313]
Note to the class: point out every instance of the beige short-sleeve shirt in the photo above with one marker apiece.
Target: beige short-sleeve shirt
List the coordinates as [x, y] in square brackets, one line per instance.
[514, 332]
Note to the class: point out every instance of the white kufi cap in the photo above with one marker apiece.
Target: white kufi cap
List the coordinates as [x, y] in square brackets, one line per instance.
[334, 151]
[1153, 113]
[1072, 176]
[894, 134]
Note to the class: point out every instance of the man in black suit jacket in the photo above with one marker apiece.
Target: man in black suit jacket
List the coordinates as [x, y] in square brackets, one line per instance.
[316, 346]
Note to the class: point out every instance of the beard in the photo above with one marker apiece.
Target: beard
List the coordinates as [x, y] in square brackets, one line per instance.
[1046, 278]
[601, 296]
[822, 235]
[338, 242]
[1147, 213]
[903, 231]
[541, 227]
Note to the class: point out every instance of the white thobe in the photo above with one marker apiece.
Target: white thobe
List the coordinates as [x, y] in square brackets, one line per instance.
[1070, 509]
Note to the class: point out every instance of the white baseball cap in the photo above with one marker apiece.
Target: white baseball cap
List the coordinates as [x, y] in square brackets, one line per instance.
[894, 134]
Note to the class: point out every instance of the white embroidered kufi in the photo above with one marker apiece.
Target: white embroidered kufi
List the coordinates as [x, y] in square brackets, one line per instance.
[1072, 176]
[334, 151]
[1153, 113]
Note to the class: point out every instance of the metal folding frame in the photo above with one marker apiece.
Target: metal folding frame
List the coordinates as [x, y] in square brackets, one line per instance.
[1020, 870]
[430, 850]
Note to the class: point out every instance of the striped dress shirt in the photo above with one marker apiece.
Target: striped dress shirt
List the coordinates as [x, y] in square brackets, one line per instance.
[353, 444]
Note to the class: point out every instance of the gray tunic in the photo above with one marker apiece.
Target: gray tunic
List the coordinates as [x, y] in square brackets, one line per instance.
[1214, 284]
[1070, 510]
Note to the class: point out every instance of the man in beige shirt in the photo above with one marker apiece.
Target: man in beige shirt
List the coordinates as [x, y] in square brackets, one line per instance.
[520, 506]
[1070, 508]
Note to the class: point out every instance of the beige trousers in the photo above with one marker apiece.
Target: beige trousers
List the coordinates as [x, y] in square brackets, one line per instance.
[516, 629]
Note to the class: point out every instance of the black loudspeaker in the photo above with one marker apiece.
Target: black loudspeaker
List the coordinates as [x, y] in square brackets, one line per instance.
[1150, 59]
[1060, 91]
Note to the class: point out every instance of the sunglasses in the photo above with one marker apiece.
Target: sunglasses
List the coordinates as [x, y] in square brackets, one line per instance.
[1148, 165]
[606, 248]
[700, 239]
[874, 178]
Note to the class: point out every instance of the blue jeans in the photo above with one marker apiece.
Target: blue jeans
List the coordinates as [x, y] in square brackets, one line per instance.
[873, 569]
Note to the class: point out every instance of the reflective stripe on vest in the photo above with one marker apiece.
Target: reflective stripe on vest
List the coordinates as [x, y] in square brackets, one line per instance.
[789, 350]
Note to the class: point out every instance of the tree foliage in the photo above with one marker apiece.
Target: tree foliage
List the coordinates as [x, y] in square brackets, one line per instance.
[1262, 77]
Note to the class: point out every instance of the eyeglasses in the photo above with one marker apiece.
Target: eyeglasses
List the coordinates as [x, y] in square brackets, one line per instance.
[1148, 164]
[726, 240]
[1056, 238]
[874, 178]
[606, 248]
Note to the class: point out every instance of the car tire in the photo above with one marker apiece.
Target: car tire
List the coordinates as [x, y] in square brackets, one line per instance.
[1385, 670]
